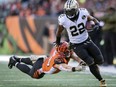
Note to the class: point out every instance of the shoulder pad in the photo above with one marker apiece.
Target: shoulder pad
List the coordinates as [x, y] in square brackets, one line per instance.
[61, 19]
[62, 15]
[82, 9]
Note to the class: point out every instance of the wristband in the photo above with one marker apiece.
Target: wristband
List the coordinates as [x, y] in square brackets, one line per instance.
[58, 40]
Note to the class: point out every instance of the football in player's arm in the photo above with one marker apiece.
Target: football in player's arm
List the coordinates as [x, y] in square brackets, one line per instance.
[56, 62]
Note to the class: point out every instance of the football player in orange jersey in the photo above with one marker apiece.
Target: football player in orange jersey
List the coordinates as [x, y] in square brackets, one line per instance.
[56, 62]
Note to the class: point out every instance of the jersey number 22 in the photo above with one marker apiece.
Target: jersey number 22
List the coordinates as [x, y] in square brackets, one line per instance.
[75, 31]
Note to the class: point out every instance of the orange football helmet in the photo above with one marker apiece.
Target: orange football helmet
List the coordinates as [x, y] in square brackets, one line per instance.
[64, 48]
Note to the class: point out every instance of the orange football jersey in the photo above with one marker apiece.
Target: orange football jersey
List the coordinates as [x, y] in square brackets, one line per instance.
[48, 65]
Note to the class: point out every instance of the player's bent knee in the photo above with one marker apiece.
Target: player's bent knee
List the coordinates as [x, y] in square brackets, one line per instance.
[99, 59]
[38, 77]
[89, 61]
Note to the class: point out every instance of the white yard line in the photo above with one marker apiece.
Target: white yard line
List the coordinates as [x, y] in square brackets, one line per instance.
[4, 58]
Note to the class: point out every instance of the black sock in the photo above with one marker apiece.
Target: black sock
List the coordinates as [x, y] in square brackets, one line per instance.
[27, 61]
[95, 71]
[18, 60]
[24, 68]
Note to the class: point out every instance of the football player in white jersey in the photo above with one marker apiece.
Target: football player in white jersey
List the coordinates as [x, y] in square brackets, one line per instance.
[74, 21]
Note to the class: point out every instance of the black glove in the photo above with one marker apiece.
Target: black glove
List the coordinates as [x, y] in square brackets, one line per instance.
[96, 26]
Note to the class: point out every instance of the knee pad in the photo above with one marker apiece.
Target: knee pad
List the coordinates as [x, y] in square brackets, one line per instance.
[89, 61]
[99, 59]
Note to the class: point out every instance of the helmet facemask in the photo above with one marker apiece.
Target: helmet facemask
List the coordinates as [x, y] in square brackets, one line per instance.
[67, 53]
[71, 13]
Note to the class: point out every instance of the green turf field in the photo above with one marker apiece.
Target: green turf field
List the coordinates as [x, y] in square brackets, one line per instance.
[15, 78]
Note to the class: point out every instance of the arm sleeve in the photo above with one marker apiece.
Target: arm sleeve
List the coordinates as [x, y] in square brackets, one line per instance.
[65, 69]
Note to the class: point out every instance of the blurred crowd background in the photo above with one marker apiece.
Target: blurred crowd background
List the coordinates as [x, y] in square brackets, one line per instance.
[48, 7]
[103, 10]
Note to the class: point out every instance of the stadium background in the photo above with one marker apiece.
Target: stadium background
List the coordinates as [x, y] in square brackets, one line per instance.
[28, 27]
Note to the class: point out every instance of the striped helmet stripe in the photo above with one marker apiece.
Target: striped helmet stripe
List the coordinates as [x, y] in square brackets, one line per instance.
[70, 3]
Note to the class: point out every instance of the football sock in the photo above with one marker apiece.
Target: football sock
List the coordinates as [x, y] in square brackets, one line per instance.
[95, 71]
[26, 61]
[24, 68]
[17, 59]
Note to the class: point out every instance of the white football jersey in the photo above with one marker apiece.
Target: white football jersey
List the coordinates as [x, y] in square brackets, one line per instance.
[75, 29]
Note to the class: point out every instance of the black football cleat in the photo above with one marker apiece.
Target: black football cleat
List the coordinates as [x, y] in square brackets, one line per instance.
[12, 62]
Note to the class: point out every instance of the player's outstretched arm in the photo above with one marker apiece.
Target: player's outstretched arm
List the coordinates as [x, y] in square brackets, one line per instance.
[75, 57]
[65, 67]
[79, 60]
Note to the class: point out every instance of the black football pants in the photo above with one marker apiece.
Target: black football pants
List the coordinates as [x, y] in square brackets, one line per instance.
[91, 54]
[30, 71]
[88, 52]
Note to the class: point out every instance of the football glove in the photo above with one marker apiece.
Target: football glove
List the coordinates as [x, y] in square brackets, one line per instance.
[78, 68]
[96, 26]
